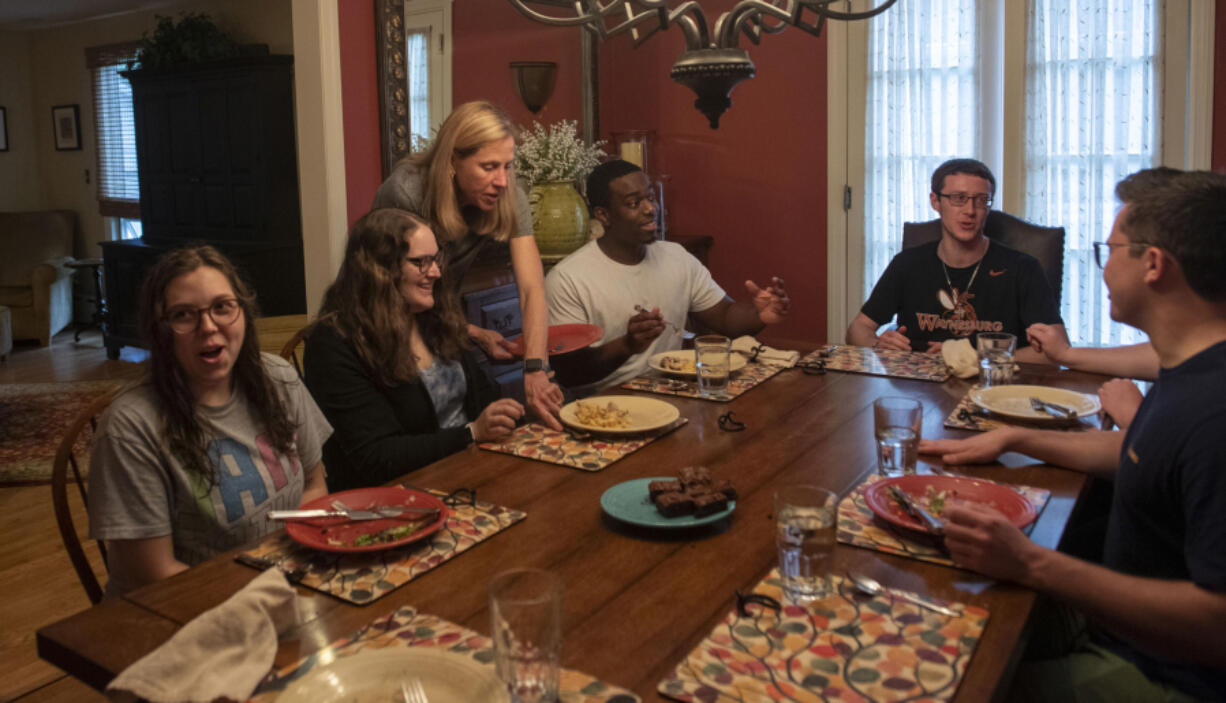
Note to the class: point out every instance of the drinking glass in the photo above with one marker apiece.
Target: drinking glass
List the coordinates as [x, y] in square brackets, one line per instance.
[995, 358]
[526, 625]
[896, 425]
[804, 538]
[712, 363]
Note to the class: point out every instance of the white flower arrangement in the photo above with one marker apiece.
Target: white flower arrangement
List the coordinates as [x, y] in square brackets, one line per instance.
[555, 153]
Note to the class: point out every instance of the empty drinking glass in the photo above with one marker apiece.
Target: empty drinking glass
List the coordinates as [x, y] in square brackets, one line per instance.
[526, 625]
[804, 538]
[712, 363]
[996, 358]
[896, 425]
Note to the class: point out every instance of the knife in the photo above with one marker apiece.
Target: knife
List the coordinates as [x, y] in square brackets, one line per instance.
[374, 513]
[913, 509]
[1053, 408]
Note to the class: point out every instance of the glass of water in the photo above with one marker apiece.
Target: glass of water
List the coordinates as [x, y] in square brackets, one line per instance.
[804, 537]
[712, 363]
[995, 358]
[526, 625]
[896, 424]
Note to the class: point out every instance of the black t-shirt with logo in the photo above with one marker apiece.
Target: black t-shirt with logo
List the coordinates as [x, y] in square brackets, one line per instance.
[1009, 294]
[1168, 515]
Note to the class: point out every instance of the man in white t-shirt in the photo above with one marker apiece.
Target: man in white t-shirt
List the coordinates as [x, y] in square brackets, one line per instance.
[638, 289]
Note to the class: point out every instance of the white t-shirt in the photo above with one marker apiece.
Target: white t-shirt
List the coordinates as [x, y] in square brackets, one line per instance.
[589, 287]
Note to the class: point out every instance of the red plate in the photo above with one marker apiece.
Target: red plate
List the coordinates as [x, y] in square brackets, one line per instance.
[562, 339]
[1009, 502]
[316, 533]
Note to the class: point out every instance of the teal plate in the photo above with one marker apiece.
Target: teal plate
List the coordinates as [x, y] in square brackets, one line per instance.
[629, 502]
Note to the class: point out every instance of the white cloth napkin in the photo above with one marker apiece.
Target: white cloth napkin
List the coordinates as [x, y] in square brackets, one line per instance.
[960, 357]
[768, 355]
[223, 653]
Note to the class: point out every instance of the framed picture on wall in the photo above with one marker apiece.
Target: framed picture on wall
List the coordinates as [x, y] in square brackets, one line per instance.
[4, 130]
[67, 124]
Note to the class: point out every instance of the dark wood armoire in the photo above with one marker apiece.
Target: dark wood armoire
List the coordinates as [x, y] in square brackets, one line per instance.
[218, 165]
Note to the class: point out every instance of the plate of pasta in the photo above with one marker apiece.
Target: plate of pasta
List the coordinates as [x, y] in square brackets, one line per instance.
[618, 414]
[681, 363]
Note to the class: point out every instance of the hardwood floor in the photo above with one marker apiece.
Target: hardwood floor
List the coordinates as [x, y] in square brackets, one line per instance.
[37, 583]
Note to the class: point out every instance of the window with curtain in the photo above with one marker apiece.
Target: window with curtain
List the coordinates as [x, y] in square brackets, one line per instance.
[117, 175]
[419, 84]
[1091, 118]
[922, 108]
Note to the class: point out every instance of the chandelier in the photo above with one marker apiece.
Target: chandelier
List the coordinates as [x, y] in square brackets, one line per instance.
[712, 63]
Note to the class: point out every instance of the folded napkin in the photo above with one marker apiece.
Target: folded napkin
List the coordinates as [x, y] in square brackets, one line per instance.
[222, 654]
[960, 357]
[768, 355]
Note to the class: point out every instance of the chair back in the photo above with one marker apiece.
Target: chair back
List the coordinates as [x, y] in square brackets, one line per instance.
[293, 347]
[65, 460]
[1043, 243]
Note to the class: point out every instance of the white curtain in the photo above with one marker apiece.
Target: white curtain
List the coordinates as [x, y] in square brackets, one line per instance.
[419, 84]
[923, 108]
[1092, 117]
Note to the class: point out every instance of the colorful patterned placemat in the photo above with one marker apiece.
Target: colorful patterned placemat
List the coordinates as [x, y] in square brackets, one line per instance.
[739, 382]
[366, 577]
[533, 441]
[408, 628]
[880, 362]
[969, 416]
[858, 526]
[844, 647]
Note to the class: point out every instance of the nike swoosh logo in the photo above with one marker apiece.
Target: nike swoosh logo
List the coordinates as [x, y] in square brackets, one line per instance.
[993, 272]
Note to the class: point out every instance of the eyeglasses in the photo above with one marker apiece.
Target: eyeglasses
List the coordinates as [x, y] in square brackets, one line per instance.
[1101, 260]
[185, 319]
[960, 199]
[423, 263]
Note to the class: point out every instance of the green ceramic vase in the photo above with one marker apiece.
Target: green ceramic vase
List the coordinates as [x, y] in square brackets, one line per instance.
[559, 218]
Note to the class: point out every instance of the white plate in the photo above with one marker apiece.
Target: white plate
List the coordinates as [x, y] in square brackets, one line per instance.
[736, 362]
[1014, 401]
[646, 414]
[374, 676]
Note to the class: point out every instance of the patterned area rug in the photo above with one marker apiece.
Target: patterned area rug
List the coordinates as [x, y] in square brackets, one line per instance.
[33, 419]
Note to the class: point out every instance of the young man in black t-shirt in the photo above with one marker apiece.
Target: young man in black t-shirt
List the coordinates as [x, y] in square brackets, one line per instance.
[962, 284]
[1157, 604]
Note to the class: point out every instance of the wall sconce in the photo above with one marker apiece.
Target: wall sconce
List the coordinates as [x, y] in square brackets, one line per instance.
[534, 81]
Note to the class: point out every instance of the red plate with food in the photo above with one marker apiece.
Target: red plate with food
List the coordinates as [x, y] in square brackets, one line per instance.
[562, 339]
[935, 493]
[338, 534]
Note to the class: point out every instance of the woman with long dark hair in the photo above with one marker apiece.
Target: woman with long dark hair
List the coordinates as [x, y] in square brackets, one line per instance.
[389, 359]
[188, 459]
[464, 185]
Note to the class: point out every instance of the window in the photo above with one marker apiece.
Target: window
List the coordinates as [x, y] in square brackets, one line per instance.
[118, 178]
[1060, 99]
[427, 26]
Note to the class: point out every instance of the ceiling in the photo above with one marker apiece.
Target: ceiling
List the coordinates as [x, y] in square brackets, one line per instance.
[17, 15]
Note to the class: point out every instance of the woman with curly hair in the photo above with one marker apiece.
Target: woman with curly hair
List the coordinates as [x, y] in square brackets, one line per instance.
[389, 359]
[189, 459]
[464, 186]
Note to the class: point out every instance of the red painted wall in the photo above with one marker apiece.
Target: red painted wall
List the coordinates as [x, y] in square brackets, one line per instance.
[758, 183]
[1219, 87]
[359, 92]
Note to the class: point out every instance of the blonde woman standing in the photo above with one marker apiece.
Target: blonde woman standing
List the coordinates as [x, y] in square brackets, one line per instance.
[465, 187]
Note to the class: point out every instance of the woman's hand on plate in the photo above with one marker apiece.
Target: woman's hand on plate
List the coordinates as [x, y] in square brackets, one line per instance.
[492, 343]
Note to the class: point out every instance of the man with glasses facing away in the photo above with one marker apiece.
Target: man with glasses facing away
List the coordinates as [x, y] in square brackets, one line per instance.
[962, 284]
[1157, 602]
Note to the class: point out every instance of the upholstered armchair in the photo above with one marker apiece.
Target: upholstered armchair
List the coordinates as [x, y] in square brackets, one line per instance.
[35, 284]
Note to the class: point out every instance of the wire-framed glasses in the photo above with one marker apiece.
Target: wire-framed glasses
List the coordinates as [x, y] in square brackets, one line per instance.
[185, 319]
[959, 199]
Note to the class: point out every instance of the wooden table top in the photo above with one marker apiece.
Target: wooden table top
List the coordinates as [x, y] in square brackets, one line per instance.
[636, 601]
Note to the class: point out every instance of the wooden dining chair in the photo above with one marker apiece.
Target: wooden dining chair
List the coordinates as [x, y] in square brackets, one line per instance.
[64, 460]
[293, 347]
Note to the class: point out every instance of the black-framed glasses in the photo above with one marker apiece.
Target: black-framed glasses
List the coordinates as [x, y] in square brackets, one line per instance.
[959, 199]
[185, 319]
[1099, 259]
[423, 263]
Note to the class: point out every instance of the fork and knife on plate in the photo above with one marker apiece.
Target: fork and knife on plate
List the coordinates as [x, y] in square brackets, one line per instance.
[339, 509]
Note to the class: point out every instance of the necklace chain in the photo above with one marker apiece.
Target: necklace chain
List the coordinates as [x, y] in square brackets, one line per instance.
[974, 273]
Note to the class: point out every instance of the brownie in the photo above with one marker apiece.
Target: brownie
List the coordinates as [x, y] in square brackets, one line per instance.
[692, 476]
[674, 504]
[655, 488]
[725, 487]
[709, 503]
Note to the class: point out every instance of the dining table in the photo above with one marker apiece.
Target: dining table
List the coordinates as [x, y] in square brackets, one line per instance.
[638, 599]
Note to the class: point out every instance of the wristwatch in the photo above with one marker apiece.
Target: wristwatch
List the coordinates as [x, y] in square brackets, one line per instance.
[531, 365]
[472, 436]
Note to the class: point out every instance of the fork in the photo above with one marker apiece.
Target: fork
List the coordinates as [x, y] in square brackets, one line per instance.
[684, 334]
[1053, 409]
[414, 692]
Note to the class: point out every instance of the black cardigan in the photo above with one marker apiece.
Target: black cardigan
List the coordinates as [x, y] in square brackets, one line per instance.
[381, 433]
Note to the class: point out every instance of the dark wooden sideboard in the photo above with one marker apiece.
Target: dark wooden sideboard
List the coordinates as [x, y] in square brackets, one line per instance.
[218, 165]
